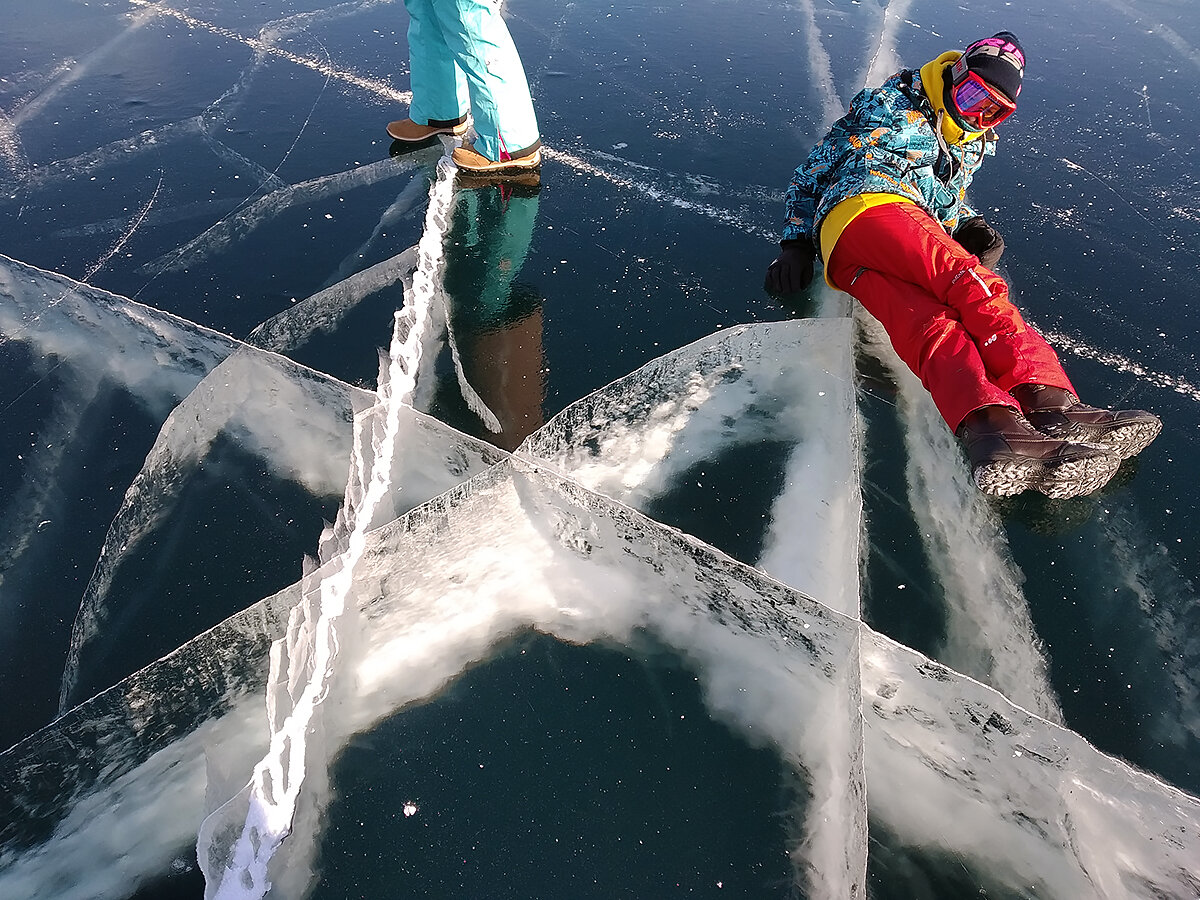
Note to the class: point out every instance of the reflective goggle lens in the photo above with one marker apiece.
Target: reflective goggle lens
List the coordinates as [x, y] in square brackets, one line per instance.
[977, 102]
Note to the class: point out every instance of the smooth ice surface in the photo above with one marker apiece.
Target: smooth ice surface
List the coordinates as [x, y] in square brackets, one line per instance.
[992, 699]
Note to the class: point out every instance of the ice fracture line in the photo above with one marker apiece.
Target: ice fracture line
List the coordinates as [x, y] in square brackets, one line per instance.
[1076, 167]
[885, 61]
[132, 228]
[124, 238]
[10, 147]
[278, 777]
[653, 193]
[1119, 363]
[379, 88]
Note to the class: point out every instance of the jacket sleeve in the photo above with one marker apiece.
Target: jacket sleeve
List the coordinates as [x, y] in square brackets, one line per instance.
[803, 193]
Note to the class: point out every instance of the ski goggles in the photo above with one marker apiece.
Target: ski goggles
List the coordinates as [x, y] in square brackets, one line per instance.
[977, 101]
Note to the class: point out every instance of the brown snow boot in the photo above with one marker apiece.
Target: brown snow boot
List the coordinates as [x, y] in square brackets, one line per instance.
[412, 132]
[1008, 456]
[1059, 414]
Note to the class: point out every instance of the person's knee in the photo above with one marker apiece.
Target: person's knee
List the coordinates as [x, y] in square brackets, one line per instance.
[968, 282]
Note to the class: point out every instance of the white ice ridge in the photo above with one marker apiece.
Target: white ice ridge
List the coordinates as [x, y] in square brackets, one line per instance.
[1119, 363]
[1154, 25]
[651, 192]
[302, 666]
[323, 310]
[237, 226]
[98, 349]
[820, 67]
[885, 60]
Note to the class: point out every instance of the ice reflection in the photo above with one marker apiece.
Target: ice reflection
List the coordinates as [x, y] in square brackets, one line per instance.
[493, 321]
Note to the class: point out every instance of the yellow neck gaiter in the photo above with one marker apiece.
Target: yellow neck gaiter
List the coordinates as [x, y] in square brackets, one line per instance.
[934, 86]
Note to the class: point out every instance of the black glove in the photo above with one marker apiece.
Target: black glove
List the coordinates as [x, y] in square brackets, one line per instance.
[978, 237]
[792, 270]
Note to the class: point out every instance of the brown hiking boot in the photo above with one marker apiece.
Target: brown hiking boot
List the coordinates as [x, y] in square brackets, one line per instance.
[410, 131]
[470, 160]
[1059, 414]
[1008, 456]
[1127, 432]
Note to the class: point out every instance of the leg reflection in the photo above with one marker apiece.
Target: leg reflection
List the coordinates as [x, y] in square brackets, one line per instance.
[496, 319]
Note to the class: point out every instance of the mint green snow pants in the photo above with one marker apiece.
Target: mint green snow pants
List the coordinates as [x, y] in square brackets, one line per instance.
[462, 58]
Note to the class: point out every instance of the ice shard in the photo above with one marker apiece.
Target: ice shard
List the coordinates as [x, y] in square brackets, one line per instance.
[261, 435]
[783, 387]
[520, 546]
[956, 769]
[258, 436]
[93, 377]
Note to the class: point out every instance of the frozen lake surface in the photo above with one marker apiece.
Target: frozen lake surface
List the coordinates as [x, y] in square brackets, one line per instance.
[368, 533]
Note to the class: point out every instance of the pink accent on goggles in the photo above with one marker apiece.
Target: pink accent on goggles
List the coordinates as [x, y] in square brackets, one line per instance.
[978, 102]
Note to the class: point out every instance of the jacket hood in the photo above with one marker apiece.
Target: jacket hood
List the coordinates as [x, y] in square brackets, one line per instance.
[934, 85]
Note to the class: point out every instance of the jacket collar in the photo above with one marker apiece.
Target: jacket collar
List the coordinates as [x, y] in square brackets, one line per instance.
[933, 85]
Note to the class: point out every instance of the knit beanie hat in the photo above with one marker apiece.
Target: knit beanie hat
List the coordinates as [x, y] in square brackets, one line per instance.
[998, 60]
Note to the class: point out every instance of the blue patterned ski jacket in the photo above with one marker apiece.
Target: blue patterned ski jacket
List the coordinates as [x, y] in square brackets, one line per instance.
[888, 143]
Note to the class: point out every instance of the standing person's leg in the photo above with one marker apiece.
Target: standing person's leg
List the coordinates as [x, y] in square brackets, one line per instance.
[501, 106]
[440, 99]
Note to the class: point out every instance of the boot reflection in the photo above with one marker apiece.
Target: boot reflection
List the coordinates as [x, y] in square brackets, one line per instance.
[496, 319]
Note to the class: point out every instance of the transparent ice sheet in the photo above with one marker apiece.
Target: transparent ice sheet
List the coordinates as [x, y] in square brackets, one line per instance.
[950, 765]
[785, 384]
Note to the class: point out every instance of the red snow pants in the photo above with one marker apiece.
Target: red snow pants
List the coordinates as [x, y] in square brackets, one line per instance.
[949, 318]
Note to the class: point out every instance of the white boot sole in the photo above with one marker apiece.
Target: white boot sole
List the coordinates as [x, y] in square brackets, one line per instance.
[1073, 478]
